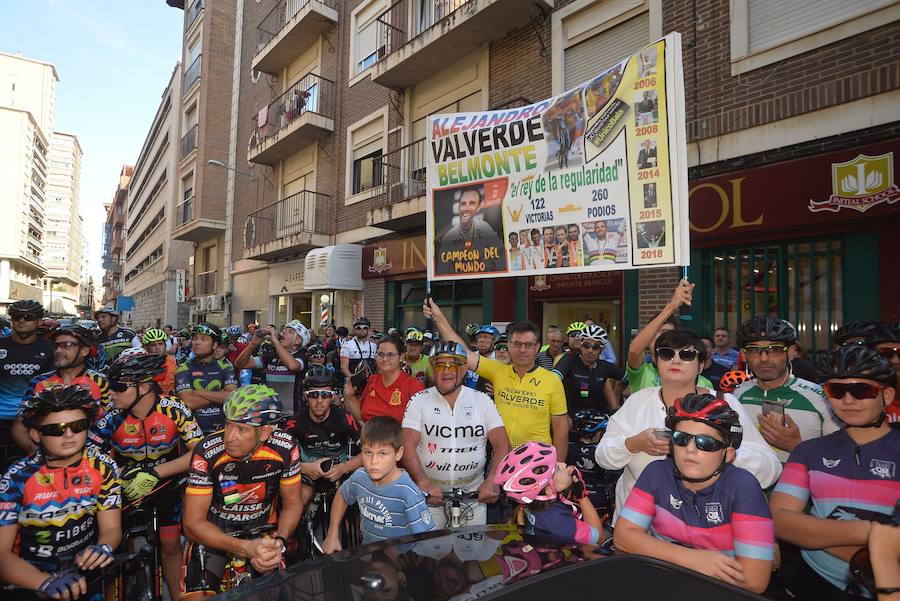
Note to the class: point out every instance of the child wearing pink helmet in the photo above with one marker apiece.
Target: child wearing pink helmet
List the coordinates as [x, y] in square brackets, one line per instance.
[553, 502]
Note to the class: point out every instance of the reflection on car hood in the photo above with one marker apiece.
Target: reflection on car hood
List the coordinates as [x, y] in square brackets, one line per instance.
[480, 562]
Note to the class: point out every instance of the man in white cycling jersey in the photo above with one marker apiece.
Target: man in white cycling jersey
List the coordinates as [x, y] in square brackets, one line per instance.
[446, 429]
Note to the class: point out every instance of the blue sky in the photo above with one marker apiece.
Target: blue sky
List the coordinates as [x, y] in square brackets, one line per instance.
[114, 60]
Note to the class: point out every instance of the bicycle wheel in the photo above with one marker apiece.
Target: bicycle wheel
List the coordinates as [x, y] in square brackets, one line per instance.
[136, 576]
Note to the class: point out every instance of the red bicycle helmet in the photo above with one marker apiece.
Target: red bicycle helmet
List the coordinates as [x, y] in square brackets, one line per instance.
[732, 379]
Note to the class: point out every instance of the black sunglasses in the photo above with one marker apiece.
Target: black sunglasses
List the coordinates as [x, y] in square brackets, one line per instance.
[59, 429]
[703, 442]
[592, 346]
[687, 355]
[116, 386]
[23, 317]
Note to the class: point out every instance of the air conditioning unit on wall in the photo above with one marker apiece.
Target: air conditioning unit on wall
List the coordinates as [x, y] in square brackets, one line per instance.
[199, 304]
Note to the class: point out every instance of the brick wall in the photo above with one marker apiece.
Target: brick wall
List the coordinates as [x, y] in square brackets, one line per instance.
[520, 66]
[655, 287]
[374, 302]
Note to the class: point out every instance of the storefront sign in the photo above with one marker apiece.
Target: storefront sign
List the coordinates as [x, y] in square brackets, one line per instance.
[857, 184]
[577, 285]
[286, 278]
[180, 286]
[394, 257]
[594, 179]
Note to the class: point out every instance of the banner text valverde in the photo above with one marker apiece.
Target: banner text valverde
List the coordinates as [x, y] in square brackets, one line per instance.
[450, 125]
[485, 166]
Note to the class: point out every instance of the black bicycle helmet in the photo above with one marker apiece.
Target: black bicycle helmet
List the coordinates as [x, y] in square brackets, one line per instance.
[315, 349]
[886, 332]
[26, 306]
[763, 327]
[362, 321]
[84, 335]
[208, 329]
[710, 410]
[862, 332]
[589, 421]
[137, 368]
[317, 376]
[856, 361]
[59, 398]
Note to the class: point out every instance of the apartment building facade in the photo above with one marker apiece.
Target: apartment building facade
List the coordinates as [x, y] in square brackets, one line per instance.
[63, 249]
[154, 262]
[114, 239]
[27, 100]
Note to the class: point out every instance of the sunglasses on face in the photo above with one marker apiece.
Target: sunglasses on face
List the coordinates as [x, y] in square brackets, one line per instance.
[320, 394]
[23, 317]
[592, 346]
[858, 390]
[439, 367]
[120, 386]
[66, 344]
[702, 441]
[501, 347]
[665, 353]
[360, 327]
[889, 352]
[756, 350]
[60, 429]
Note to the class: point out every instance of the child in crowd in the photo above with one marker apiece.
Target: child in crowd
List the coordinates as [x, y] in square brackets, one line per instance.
[531, 476]
[588, 426]
[390, 503]
[694, 508]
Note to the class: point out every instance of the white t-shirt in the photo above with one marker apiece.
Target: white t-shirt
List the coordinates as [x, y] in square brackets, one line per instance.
[453, 445]
[354, 349]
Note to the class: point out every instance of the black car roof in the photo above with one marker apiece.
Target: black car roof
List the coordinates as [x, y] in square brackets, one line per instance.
[485, 563]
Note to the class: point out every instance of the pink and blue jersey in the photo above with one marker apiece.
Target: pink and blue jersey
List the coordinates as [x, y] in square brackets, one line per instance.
[835, 472]
[731, 516]
[561, 522]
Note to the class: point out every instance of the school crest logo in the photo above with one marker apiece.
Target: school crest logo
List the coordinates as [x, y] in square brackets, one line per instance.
[714, 513]
[379, 261]
[860, 184]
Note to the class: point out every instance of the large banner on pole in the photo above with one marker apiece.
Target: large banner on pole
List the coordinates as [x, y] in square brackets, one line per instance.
[594, 179]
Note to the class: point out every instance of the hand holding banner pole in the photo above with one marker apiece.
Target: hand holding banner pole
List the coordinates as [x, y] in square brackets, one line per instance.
[684, 311]
[428, 323]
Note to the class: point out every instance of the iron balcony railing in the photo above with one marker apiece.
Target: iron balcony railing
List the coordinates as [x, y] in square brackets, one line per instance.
[189, 142]
[304, 212]
[205, 283]
[191, 75]
[194, 12]
[312, 94]
[184, 212]
[281, 13]
[392, 26]
[403, 174]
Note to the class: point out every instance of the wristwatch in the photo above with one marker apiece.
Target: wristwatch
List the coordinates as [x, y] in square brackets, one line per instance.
[283, 542]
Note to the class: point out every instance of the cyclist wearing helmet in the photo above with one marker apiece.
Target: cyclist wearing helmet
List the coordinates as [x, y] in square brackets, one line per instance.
[204, 382]
[155, 341]
[641, 373]
[697, 510]
[501, 349]
[485, 338]
[589, 381]
[60, 508]
[324, 431]
[285, 366]
[414, 362]
[446, 429]
[555, 350]
[573, 336]
[852, 470]
[235, 345]
[855, 332]
[588, 426]
[23, 355]
[787, 408]
[315, 355]
[887, 342]
[151, 437]
[243, 477]
[358, 357]
[113, 339]
[73, 346]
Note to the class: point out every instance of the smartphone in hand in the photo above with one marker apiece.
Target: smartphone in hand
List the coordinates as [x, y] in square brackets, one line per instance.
[773, 407]
[665, 435]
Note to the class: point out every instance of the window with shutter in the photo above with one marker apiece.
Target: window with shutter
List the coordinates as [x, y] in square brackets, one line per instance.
[595, 54]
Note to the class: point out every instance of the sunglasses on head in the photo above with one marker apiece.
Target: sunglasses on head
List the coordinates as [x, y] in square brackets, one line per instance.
[666, 353]
[320, 394]
[59, 429]
[889, 352]
[117, 386]
[858, 390]
[702, 441]
[592, 346]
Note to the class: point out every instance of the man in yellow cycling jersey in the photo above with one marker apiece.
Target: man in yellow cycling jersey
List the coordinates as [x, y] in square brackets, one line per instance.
[530, 399]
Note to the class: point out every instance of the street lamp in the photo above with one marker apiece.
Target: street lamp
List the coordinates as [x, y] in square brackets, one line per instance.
[222, 165]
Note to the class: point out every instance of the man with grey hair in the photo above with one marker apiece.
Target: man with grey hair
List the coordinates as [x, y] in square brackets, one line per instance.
[554, 351]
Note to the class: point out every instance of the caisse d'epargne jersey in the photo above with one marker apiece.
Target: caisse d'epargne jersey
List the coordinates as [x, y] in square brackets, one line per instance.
[243, 491]
[56, 508]
[453, 443]
[731, 516]
[162, 436]
[833, 471]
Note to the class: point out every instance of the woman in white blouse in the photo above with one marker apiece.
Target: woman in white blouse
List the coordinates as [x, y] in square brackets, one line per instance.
[636, 434]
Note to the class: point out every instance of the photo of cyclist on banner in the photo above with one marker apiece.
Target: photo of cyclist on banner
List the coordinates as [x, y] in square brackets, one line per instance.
[468, 225]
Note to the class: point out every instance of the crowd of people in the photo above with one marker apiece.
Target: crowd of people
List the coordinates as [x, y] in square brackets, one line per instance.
[749, 463]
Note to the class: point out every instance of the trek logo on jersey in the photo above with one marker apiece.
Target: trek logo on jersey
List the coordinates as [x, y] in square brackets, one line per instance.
[714, 513]
[677, 503]
[830, 463]
[882, 469]
[432, 447]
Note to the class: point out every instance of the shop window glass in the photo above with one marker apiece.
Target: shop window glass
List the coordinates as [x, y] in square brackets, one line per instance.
[461, 301]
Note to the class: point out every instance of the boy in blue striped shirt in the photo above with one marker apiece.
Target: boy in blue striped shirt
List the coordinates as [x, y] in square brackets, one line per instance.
[390, 503]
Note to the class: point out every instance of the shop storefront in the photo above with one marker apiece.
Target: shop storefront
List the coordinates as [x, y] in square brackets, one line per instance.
[810, 239]
[287, 296]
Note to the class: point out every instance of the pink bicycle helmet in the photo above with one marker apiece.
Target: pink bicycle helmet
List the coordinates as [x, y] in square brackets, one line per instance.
[526, 471]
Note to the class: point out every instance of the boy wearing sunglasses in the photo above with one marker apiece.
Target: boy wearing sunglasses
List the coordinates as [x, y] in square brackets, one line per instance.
[60, 508]
[850, 476]
[697, 510]
[327, 435]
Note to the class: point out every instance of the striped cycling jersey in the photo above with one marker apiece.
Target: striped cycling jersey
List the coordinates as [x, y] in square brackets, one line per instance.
[833, 471]
[803, 401]
[730, 516]
[88, 379]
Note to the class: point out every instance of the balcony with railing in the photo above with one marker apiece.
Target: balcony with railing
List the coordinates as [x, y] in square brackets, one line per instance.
[205, 283]
[193, 12]
[301, 221]
[403, 182]
[294, 120]
[184, 212]
[191, 75]
[291, 27]
[188, 142]
[420, 38]
[194, 224]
